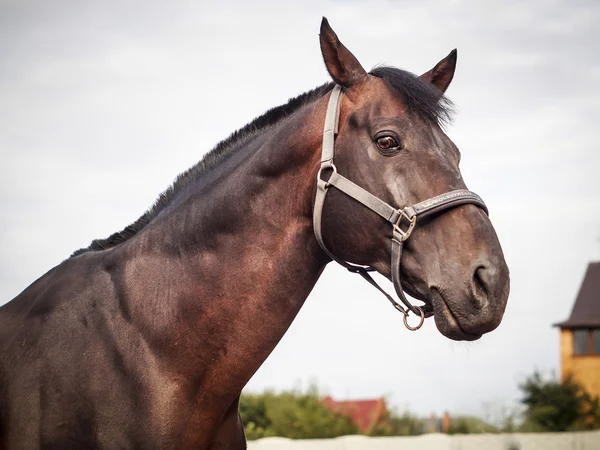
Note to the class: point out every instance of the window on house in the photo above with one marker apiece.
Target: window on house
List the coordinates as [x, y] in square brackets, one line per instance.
[581, 342]
[596, 340]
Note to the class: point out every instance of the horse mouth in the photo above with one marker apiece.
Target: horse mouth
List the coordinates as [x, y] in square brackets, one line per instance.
[427, 309]
[446, 321]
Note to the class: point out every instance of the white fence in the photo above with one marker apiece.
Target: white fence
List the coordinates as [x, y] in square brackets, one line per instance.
[588, 440]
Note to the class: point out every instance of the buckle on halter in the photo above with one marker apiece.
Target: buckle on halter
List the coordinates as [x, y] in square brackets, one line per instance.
[327, 165]
[405, 234]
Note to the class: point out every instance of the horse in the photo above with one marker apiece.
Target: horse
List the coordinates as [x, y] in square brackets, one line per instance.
[145, 339]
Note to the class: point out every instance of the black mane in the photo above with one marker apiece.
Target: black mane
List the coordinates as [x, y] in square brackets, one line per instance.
[421, 98]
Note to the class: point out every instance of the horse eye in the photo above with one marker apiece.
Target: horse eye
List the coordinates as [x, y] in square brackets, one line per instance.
[387, 143]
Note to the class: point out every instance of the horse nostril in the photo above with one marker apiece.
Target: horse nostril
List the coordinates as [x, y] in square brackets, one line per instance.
[481, 283]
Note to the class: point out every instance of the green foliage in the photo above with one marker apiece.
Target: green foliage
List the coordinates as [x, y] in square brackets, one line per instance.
[510, 423]
[550, 405]
[294, 415]
[299, 415]
[305, 416]
[470, 425]
[398, 425]
[505, 418]
[253, 409]
[558, 406]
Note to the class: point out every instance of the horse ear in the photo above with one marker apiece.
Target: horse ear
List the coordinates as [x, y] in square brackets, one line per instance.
[342, 65]
[443, 72]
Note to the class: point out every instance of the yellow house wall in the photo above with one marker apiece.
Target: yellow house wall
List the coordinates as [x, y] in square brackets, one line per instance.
[585, 369]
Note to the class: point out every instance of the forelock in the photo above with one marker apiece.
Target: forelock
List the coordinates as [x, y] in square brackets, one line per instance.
[422, 98]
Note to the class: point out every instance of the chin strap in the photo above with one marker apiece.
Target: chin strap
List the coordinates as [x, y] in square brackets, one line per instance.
[398, 218]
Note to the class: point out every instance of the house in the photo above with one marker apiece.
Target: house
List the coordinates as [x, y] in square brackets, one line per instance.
[580, 334]
[365, 414]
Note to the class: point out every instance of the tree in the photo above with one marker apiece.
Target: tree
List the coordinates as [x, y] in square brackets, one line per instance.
[304, 416]
[253, 408]
[292, 414]
[394, 424]
[470, 425]
[503, 417]
[558, 406]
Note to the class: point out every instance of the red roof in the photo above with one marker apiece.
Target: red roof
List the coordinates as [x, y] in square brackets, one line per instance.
[364, 413]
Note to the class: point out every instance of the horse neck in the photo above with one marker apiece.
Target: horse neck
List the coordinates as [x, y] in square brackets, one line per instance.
[236, 257]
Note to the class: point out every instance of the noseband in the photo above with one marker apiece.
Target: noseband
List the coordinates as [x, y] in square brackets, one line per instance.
[403, 220]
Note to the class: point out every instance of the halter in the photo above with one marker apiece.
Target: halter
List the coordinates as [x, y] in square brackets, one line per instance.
[403, 221]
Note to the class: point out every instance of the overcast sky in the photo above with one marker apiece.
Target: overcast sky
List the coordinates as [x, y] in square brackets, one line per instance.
[103, 104]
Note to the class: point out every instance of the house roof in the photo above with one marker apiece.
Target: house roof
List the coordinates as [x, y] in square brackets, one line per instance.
[364, 413]
[586, 310]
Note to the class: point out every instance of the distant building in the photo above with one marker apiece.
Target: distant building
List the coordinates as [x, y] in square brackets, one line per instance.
[437, 425]
[580, 334]
[365, 414]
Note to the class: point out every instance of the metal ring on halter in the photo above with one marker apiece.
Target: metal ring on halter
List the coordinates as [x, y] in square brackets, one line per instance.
[328, 165]
[420, 322]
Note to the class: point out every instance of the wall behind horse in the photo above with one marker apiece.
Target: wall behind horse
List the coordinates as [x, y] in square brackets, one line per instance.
[588, 440]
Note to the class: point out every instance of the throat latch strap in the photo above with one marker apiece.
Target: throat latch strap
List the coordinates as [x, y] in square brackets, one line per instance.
[403, 221]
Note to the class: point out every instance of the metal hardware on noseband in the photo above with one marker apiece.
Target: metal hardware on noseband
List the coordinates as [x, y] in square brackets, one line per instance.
[413, 221]
[329, 165]
[405, 312]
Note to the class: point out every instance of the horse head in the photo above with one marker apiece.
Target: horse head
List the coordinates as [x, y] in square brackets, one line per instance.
[391, 143]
